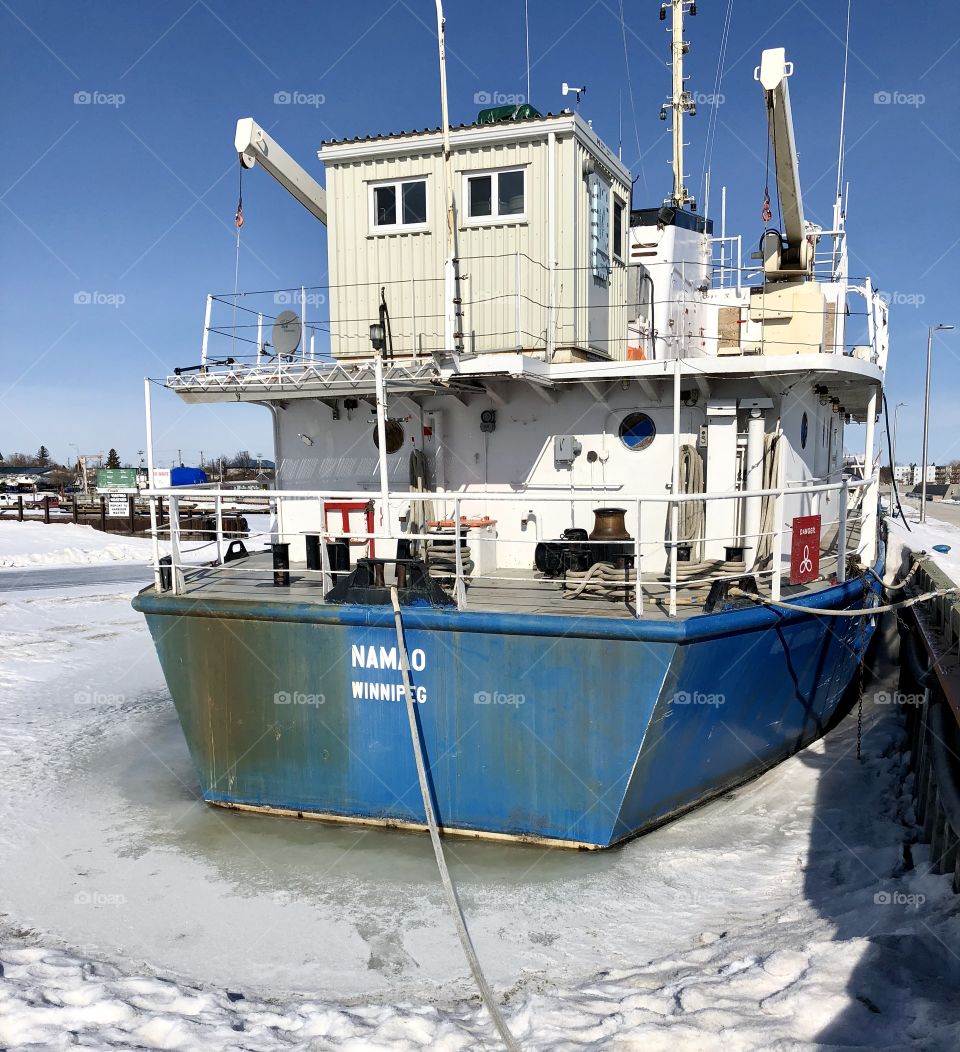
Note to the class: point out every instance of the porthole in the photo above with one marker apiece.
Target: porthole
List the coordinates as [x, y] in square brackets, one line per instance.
[637, 431]
[394, 433]
[804, 428]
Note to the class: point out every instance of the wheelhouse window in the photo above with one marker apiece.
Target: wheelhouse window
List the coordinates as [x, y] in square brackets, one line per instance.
[399, 205]
[617, 230]
[493, 196]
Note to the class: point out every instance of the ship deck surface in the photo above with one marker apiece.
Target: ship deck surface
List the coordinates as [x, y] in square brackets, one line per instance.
[509, 591]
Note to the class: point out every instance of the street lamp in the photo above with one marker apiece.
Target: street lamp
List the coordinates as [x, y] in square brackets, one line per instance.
[926, 418]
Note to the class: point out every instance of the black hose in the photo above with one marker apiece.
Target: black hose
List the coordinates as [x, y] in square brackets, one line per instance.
[893, 467]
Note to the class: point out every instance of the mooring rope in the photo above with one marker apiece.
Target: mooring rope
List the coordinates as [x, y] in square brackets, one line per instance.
[449, 888]
[901, 604]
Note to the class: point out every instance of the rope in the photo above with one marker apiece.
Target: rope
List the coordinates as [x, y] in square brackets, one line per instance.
[901, 604]
[448, 886]
[601, 579]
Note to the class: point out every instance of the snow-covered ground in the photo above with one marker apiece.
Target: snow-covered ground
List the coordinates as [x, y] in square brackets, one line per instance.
[28, 544]
[132, 915]
[923, 536]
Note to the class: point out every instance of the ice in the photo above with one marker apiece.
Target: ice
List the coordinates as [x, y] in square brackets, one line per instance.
[131, 914]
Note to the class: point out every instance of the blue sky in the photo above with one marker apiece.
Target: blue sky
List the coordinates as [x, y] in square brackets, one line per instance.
[120, 178]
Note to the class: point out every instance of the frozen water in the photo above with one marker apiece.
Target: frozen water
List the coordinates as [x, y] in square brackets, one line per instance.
[133, 914]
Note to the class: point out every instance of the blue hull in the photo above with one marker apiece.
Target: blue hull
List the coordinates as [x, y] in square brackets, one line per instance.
[580, 731]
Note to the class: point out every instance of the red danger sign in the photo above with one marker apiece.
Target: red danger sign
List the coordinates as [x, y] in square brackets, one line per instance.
[805, 549]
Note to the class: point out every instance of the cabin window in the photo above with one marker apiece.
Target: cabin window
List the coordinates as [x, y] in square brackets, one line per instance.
[398, 206]
[496, 195]
[637, 431]
[617, 246]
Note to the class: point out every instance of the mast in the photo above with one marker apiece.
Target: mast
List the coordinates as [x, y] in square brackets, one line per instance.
[681, 101]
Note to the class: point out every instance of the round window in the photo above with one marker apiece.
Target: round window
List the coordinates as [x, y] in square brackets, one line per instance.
[394, 433]
[637, 431]
[804, 429]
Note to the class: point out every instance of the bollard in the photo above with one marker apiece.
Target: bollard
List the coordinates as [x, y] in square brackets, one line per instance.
[166, 573]
[281, 564]
[46, 510]
[20, 507]
[103, 514]
[313, 551]
[132, 515]
[76, 509]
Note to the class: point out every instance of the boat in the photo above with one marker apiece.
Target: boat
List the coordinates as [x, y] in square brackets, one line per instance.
[594, 451]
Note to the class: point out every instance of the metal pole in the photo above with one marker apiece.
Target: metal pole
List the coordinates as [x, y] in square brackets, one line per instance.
[148, 411]
[175, 572]
[926, 427]
[206, 332]
[382, 441]
[674, 485]
[870, 493]
[778, 504]
[259, 338]
[460, 591]
[637, 561]
[842, 532]
[218, 511]
[303, 322]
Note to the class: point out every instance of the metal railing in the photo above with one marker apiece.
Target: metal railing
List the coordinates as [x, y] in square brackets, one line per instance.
[644, 582]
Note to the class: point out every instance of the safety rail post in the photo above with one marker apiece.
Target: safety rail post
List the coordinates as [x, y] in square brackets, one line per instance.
[777, 541]
[175, 563]
[327, 576]
[218, 513]
[460, 590]
[674, 512]
[154, 543]
[206, 332]
[638, 568]
[842, 532]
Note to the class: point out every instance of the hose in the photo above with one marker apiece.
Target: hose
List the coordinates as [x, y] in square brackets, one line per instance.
[449, 888]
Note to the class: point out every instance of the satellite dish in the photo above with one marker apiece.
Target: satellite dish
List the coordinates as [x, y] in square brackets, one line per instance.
[286, 333]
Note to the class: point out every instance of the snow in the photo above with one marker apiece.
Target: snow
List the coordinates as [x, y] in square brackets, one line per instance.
[783, 915]
[923, 536]
[32, 543]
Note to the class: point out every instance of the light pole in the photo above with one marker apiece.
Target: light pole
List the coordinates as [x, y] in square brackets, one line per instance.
[926, 418]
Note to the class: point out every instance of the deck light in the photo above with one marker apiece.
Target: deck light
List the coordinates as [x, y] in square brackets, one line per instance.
[377, 336]
[822, 394]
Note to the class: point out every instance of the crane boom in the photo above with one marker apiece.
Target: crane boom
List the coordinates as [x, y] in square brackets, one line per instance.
[253, 145]
[797, 254]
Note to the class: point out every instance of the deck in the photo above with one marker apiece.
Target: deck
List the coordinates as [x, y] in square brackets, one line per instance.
[511, 591]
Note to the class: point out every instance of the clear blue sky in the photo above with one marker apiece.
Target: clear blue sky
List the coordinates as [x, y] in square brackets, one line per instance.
[132, 199]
